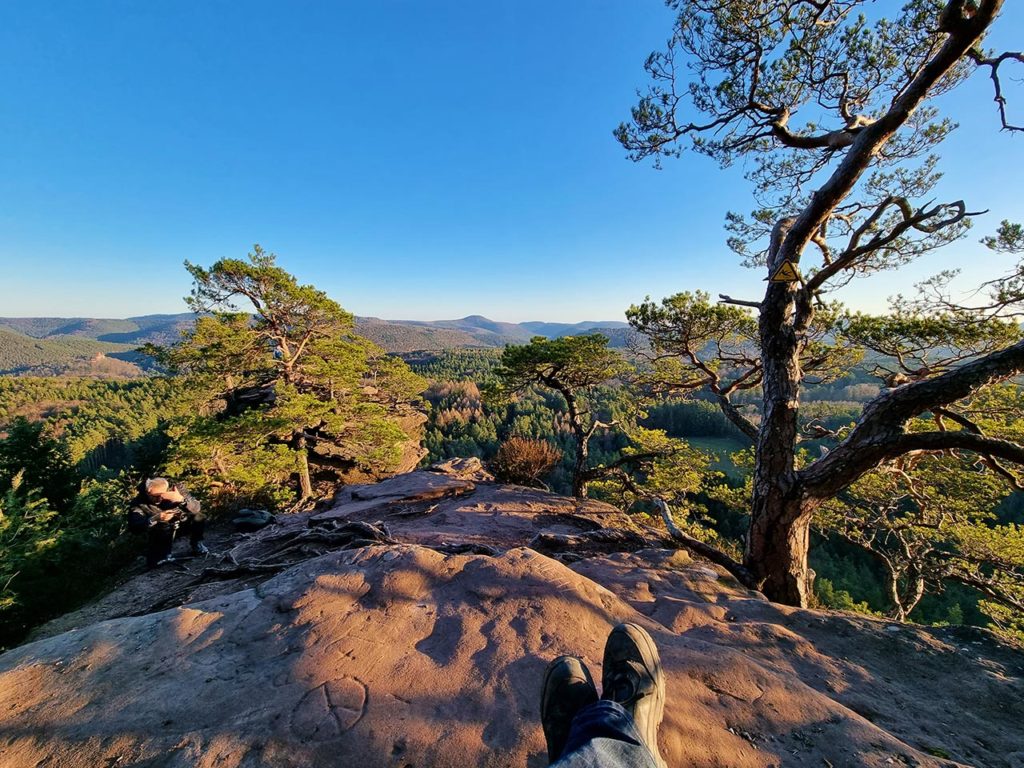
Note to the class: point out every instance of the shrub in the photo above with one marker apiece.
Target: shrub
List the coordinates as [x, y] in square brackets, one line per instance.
[524, 461]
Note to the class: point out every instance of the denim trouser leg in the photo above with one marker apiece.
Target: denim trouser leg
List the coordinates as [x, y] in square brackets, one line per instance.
[603, 736]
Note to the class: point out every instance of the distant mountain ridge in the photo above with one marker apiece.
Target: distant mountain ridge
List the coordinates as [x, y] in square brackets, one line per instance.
[159, 329]
[398, 336]
[475, 331]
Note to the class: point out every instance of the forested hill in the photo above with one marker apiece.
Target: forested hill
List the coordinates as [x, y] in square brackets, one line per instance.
[65, 355]
[474, 331]
[393, 335]
[134, 331]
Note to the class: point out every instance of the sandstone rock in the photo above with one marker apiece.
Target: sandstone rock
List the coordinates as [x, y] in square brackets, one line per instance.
[401, 655]
[334, 461]
[404, 653]
[467, 469]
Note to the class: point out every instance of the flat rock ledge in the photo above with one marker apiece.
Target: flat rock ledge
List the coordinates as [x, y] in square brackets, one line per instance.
[403, 652]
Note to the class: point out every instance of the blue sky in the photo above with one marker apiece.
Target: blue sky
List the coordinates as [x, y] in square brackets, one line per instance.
[415, 160]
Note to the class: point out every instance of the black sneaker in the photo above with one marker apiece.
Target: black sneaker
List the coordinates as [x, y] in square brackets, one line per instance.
[631, 676]
[199, 549]
[568, 687]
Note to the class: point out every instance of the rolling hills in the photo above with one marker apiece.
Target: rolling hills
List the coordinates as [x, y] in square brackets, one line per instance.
[88, 346]
[65, 355]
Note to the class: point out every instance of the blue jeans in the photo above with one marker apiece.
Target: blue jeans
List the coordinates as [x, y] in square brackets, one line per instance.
[603, 736]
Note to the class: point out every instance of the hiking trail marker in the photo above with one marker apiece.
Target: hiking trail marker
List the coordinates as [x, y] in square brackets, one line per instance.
[786, 273]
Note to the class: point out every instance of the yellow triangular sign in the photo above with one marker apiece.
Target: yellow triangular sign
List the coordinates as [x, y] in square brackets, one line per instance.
[786, 273]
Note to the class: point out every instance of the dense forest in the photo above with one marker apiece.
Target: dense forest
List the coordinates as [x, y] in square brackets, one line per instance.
[73, 450]
[64, 355]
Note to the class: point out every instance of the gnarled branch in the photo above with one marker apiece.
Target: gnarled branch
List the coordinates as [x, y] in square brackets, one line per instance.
[993, 64]
[879, 434]
[716, 556]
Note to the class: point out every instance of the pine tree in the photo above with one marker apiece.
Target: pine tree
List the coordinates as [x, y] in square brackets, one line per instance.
[277, 381]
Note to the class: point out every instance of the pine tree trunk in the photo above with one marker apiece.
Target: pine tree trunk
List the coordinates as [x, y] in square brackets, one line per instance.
[777, 545]
[779, 534]
[579, 470]
[305, 485]
[580, 464]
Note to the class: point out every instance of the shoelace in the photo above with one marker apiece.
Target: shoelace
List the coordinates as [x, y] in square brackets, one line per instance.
[627, 680]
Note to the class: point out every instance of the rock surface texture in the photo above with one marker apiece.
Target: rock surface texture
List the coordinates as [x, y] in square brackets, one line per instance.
[410, 623]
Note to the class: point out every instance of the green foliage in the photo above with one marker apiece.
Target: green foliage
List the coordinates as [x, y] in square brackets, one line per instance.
[1006, 621]
[837, 599]
[569, 363]
[103, 423]
[61, 507]
[666, 468]
[930, 519]
[912, 345]
[26, 535]
[268, 394]
[456, 365]
[52, 560]
[42, 463]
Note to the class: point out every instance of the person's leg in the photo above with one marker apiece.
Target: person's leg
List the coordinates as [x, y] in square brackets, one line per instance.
[196, 523]
[631, 675]
[621, 730]
[603, 735]
[161, 539]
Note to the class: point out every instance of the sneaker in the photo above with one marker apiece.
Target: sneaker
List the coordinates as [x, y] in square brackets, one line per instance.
[568, 687]
[166, 560]
[199, 549]
[631, 676]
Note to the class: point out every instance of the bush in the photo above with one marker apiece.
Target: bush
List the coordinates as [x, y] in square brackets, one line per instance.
[524, 461]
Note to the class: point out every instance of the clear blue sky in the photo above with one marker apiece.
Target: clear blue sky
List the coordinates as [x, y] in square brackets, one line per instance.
[417, 160]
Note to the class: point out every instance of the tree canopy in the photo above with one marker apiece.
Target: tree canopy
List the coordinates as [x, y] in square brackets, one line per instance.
[278, 381]
[832, 110]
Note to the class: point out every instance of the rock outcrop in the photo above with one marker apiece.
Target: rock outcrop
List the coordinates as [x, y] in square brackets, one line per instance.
[409, 625]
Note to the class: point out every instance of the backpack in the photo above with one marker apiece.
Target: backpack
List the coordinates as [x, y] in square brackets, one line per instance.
[138, 520]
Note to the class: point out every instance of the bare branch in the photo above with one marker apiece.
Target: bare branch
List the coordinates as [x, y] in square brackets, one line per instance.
[733, 414]
[993, 64]
[742, 574]
[923, 220]
[723, 299]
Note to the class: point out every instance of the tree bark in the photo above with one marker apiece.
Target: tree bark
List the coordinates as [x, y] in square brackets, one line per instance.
[579, 469]
[305, 485]
[780, 518]
[777, 545]
[582, 460]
